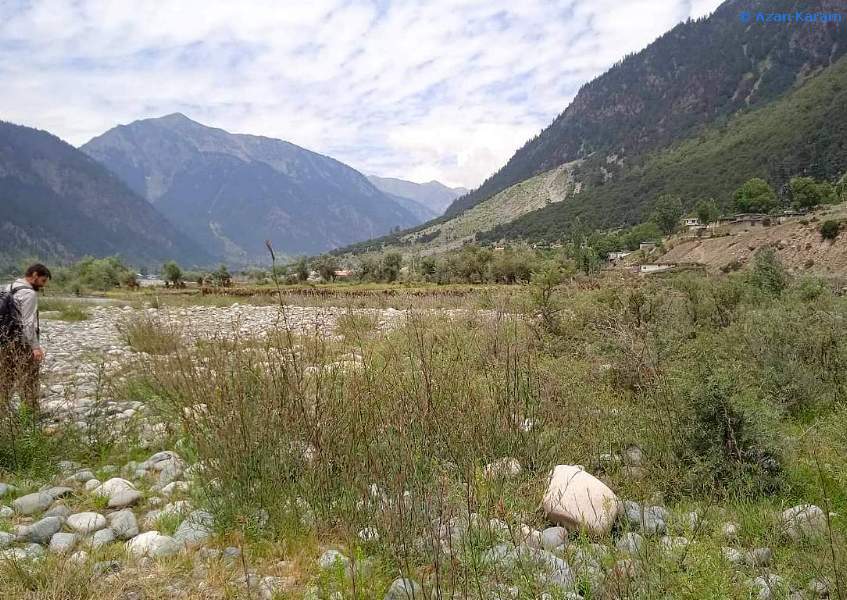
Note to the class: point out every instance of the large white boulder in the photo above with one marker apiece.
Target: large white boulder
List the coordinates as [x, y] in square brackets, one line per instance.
[578, 500]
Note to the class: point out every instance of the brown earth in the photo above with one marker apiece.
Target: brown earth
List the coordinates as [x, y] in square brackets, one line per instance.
[798, 243]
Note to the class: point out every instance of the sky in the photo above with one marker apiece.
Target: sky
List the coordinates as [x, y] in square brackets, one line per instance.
[421, 90]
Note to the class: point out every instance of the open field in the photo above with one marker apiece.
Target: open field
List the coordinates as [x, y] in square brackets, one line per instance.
[223, 448]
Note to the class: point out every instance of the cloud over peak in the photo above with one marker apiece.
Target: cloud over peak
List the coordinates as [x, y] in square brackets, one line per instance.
[434, 89]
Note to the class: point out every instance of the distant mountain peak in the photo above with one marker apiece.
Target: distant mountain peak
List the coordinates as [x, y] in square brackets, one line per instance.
[433, 195]
[231, 192]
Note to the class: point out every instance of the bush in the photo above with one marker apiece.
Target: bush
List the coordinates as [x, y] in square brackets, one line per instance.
[149, 335]
[768, 274]
[728, 438]
[829, 229]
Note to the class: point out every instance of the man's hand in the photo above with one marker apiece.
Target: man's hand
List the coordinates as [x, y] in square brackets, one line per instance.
[38, 354]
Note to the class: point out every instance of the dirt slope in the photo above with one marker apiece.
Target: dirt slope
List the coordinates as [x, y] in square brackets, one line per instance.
[799, 245]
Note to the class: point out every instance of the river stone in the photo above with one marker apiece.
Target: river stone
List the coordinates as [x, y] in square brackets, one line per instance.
[171, 472]
[59, 492]
[41, 531]
[59, 510]
[91, 485]
[630, 543]
[28, 552]
[804, 521]
[504, 468]
[331, 558]
[175, 487]
[554, 537]
[113, 486]
[123, 524]
[651, 520]
[32, 503]
[195, 529]
[62, 543]
[86, 522]
[6, 539]
[404, 588]
[101, 538]
[6, 512]
[83, 476]
[577, 500]
[768, 587]
[124, 498]
[152, 544]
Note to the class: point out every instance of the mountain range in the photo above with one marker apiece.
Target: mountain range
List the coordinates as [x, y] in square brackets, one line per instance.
[56, 202]
[434, 195]
[231, 192]
[708, 105]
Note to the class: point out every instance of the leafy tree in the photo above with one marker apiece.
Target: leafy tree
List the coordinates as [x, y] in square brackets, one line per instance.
[172, 274]
[708, 211]
[830, 229]
[827, 193]
[667, 212]
[326, 266]
[805, 192]
[301, 270]
[755, 196]
[391, 264]
[221, 277]
[644, 232]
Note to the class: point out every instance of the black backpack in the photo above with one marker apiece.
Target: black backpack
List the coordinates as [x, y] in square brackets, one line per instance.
[11, 329]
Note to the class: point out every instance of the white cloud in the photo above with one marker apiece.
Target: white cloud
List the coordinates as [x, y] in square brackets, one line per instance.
[428, 89]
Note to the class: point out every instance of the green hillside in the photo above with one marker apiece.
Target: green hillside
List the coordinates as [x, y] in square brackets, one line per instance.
[804, 133]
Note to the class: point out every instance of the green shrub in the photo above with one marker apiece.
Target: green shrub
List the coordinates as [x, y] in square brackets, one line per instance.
[768, 274]
[829, 229]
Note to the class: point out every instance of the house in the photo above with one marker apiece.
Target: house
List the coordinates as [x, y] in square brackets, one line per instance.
[647, 246]
[343, 273]
[616, 256]
[691, 222]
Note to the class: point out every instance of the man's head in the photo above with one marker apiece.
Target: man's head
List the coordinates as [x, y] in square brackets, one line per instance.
[37, 275]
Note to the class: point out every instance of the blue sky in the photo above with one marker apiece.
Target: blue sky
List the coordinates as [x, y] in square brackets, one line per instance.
[431, 89]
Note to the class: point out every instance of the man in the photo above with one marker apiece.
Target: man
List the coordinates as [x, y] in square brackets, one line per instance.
[20, 349]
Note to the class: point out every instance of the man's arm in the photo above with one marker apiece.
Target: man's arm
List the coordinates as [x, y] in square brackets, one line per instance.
[28, 305]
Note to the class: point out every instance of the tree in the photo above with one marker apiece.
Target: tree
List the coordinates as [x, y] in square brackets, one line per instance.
[805, 192]
[301, 270]
[708, 211]
[827, 194]
[755, 196]
[391, 264]
[172, 274]
[768, 273]
[221, 277]
[326, 266]
[667, 212]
